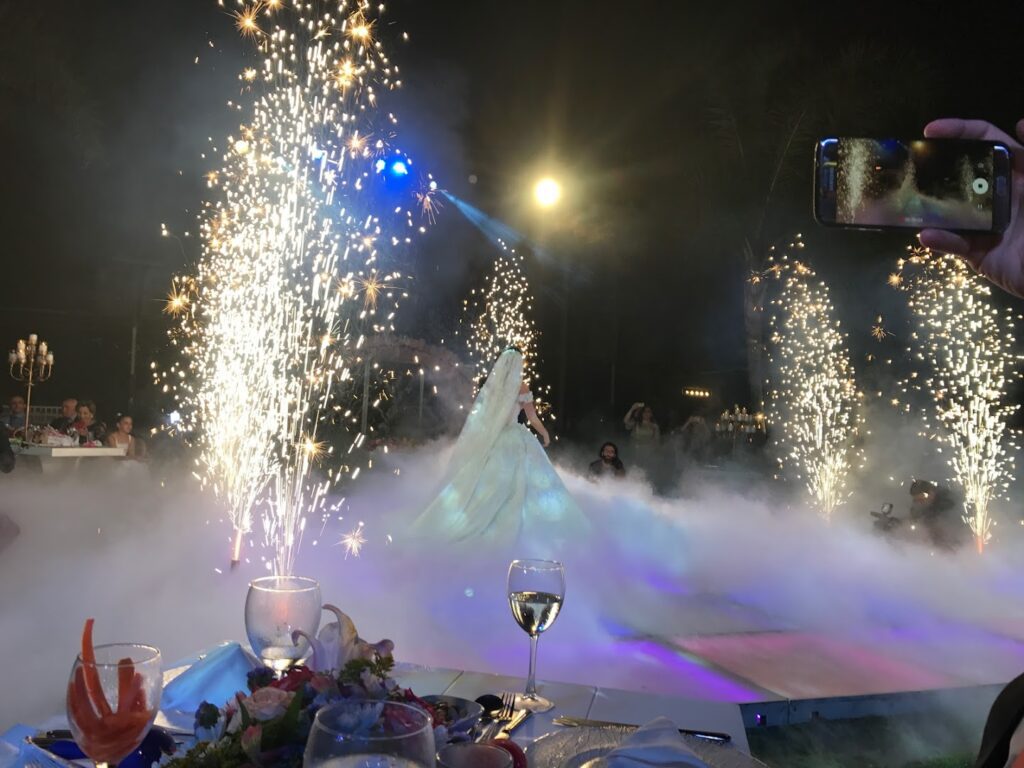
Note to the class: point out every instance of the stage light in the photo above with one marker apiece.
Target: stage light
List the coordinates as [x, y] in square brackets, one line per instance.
[547, 192]
[399, 168]
[379, 166]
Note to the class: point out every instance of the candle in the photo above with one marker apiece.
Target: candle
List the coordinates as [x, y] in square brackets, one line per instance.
[33, 338]
[12, 358]
[42, 347]
[21, 344]
[49, 358]
[21, 355]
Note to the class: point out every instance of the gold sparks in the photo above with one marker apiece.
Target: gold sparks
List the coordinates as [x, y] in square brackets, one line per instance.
[245, 20]
[895, 280]
[260, 320]
[357, 144]
[500, 315]
[353, 541]
[359, 28]
[969, 349]
[371, 287]
[347, 72]
[878, 331]
[177, 301]
[813, 397]
[313, 449]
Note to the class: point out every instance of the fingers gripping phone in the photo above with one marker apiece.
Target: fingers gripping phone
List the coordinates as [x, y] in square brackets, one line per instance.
[956, 184]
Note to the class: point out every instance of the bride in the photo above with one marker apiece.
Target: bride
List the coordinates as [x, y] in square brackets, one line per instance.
[499, 483]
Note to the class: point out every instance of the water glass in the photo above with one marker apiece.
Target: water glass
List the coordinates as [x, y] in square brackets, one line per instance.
[370, 734]
[275, 607]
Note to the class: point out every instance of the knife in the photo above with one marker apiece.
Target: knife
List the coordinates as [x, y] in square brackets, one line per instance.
[577, 722]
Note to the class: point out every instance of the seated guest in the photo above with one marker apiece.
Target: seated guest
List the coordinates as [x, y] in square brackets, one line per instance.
[608, 463]
[122, 437]
[86, 425]
[14, 420]
[68, 415]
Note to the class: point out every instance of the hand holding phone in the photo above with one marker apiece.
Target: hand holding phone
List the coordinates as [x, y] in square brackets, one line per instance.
[949, 183]
[999, 256]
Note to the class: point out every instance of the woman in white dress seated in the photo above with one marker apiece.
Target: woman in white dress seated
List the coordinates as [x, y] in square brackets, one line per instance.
[499, 483]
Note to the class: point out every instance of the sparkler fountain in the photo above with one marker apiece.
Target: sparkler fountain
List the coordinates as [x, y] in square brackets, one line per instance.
[969, 346]
[813, 398]
[270, 326]
[499, 315]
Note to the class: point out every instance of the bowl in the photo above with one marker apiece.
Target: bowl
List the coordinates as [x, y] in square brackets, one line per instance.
[464, 713]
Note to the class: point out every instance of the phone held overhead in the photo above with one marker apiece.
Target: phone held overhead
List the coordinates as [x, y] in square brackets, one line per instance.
[954, 184]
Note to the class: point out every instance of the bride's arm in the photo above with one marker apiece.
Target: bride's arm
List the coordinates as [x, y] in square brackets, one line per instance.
[532, 417]
[536, 423]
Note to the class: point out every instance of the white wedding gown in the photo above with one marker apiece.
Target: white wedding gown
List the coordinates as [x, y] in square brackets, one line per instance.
[500, 484]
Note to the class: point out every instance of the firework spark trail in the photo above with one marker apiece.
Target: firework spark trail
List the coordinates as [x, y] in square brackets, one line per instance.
[970, 347]
[813, 400]
[271, 325]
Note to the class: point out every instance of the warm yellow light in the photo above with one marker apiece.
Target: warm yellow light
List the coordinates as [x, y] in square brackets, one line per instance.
[547, 192]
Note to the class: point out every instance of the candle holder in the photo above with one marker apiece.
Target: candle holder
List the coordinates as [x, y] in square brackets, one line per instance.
[31, 363]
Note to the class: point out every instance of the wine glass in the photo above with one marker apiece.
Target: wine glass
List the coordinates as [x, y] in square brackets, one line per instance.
[113, 699]
[370, 734]
[275, 607]
[536, 589]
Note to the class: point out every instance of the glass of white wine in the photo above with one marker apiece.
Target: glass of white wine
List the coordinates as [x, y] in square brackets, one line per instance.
[536, 589]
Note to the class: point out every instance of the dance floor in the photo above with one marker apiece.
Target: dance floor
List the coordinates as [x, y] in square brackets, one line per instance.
[726, 652]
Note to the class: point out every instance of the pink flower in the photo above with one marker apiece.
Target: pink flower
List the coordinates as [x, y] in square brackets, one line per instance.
[267, 703]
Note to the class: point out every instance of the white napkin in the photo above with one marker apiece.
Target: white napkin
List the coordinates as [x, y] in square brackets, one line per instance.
[657, 743]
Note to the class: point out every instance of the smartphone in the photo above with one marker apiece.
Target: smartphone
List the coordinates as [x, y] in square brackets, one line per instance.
[956, 184]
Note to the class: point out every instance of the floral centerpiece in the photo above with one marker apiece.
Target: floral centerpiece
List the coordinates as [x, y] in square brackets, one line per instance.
[268, 726]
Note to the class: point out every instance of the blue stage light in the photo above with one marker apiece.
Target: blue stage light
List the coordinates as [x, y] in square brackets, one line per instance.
[399, 168]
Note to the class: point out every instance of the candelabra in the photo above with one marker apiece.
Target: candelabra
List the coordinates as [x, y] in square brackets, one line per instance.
[31, 363]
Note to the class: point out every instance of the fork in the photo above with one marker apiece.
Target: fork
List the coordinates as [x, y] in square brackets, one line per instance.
[508, 706]
[501, 717]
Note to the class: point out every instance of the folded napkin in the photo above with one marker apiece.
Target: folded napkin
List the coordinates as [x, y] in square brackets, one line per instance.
[657, 743]
[214, 675]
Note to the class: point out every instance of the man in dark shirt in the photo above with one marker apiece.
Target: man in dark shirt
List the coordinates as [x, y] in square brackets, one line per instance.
[68, 414]
[609, 462]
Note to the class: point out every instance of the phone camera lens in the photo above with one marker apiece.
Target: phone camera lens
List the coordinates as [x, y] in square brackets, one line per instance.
[980, 186]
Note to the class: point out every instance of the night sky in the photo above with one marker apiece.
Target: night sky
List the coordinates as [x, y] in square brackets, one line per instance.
[666, 120]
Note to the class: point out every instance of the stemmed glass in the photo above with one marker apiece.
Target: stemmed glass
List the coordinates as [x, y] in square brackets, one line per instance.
[113, 699]
[370, 734]
[275, 607]
[536, 589]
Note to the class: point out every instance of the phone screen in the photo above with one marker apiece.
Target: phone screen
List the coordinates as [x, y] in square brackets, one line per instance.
[946, 184]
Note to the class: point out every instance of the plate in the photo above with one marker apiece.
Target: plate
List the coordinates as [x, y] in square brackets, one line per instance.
[466, 713]
[586, 748]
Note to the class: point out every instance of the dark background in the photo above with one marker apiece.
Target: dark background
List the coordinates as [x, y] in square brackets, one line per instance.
[682, 131]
